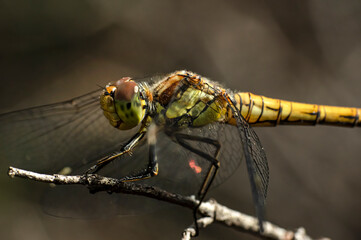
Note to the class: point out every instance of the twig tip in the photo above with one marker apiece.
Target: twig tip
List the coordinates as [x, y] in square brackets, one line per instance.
[11, 172]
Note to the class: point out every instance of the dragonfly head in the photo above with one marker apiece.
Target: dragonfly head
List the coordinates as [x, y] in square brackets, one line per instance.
[123, 104]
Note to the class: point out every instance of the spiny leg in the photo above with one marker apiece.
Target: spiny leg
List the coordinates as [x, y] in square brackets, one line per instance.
[212, 171]
[125, 149]
[152, 169]
[149, 171]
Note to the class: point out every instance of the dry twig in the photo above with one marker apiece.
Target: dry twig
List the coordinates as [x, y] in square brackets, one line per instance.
[210, 210]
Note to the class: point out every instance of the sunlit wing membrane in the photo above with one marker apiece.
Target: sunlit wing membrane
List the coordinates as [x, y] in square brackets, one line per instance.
[256, 161]
[51, 137]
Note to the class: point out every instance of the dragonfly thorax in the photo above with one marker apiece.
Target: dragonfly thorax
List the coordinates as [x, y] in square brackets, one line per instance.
[123, 104]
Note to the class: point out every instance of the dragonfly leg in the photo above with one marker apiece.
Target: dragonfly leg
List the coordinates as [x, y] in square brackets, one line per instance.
[152, 169]
[212, 171]
[125, 149]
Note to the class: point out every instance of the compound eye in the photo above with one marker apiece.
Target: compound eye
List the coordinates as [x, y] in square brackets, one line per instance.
[125, 89]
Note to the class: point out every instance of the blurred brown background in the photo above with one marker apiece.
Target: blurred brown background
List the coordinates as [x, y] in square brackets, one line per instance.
[302, 50]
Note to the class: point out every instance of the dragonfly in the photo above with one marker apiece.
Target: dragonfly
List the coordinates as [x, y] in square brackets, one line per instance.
[181, 131]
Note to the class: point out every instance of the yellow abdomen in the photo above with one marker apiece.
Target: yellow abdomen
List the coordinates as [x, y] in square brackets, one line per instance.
[263, 111]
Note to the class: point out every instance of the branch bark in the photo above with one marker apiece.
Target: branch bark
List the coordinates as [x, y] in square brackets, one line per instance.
[210, 210]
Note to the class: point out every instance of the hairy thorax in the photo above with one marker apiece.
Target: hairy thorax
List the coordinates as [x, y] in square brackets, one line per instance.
[184, 100]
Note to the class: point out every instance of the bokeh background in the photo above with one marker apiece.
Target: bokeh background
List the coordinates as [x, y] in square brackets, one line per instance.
[302, 50]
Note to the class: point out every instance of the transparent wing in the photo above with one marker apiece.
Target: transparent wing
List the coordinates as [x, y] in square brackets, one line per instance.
[256, 161]
[51, 137]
